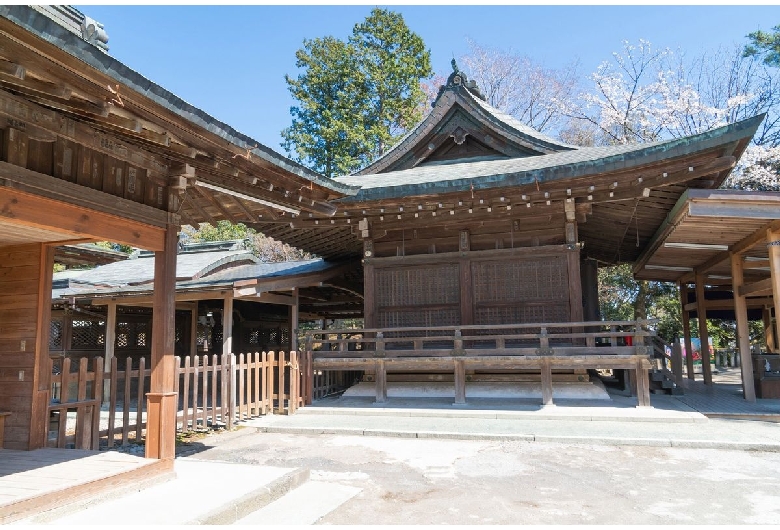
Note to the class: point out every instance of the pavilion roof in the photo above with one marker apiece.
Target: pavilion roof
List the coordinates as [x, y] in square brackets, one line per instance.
[558, 166]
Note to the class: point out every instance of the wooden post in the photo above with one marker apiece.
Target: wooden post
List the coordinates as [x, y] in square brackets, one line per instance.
[743, 342]
[194, 329]
[677, 361]
[110, 344]
[466, 291]
[547, 386]
[686, 322]
[773, 249]
[642, 385]
[460, 382]
[228, 364]
[227, 324]
[381, 381]
[161, 404]
[294, 312]
[701, 312]
[769, 330]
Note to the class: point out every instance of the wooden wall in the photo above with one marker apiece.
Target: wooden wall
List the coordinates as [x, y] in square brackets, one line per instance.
[25, 301]
[521, 285]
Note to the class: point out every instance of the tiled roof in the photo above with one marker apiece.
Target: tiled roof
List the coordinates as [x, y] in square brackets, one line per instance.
[554, 166]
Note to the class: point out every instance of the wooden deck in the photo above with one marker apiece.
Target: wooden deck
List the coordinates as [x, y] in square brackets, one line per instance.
[35, 481]
[724, 399]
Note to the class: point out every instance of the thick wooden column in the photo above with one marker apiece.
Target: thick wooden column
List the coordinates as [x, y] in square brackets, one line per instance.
[381, 381]
[42, 369]
[110, 345]
[769, 330]
[743, 342]
[701, 312]
[686, 322]
[161, 400]
[547, 384]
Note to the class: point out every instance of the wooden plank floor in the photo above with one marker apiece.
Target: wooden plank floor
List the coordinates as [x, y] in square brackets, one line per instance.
[34, 481]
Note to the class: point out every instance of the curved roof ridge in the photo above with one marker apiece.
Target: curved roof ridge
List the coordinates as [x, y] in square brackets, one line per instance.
[458, 90]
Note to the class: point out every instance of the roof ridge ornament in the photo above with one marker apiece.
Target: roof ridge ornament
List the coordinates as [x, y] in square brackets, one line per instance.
[455, 81]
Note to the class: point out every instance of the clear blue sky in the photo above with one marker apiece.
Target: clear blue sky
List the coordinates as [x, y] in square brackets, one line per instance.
[230, 61]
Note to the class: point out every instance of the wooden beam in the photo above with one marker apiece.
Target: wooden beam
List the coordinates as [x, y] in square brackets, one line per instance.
[757, 288]
[209, 196]
[743, 338]
[75, 221]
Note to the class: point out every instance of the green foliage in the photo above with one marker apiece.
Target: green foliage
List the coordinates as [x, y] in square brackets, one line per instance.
[357, 97]
[621, 297]
[267, 249]
[766, 44]
[127, 249]
[224, 231]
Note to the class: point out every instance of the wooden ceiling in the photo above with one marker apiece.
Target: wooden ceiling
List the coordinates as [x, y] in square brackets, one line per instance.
[702, 231]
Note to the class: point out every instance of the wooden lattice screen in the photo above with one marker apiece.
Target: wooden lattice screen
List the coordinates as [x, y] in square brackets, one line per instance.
[503, 287]
[418, 296]
[521, 290]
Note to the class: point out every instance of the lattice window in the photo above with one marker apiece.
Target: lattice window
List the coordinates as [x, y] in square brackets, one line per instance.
[122, 334]
[284, 336]
[55, 335]
[141, 334]
[419, 318]
[274, 336]
[88, 334]
[254, 336]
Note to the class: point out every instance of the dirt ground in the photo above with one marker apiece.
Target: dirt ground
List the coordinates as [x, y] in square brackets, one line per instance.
[425, 481]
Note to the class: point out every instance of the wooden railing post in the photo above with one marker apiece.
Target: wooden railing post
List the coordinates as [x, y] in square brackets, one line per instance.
[379, 351]
[677, 362]
[457, 344]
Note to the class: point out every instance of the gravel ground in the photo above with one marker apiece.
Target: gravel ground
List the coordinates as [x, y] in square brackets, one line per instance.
[425, 481]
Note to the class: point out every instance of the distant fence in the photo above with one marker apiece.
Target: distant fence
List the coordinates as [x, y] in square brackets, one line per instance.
[213, 390]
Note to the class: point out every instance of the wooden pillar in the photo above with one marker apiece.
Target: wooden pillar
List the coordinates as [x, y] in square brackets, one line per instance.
[294, 312]
[460, 382]
[547, 386]
[41, 372]
[590, 289]
[686, 322]
[381, 381]
[769, 331]
[743, 339]
[642, 384]
[194, 329]
[227, 324]
[369, 300]
[466, 291]
[677, 362]
[110, 345]
[773, 249]
[701, 312]
[161, 400]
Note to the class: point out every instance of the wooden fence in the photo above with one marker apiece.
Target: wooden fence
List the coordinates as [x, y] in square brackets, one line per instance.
[213, 390]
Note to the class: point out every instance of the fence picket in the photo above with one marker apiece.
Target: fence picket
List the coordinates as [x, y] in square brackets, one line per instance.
[126, 402]
[97, 396]
[214, 384]
[186, 394]
[280, 401]
[205, 392]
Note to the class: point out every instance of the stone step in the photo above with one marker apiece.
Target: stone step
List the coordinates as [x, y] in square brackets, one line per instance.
[188, 498]
[304, 505]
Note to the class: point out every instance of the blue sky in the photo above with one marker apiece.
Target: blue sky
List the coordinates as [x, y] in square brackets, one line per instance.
[230, 61]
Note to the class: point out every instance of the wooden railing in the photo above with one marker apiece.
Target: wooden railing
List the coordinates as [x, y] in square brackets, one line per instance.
[213, 390]
[540, 346]
[603, 338]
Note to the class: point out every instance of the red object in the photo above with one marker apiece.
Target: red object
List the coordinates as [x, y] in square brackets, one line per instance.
[629, 341]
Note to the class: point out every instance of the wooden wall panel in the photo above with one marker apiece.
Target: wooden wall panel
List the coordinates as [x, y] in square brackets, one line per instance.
[486, 287]
[20, 268]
